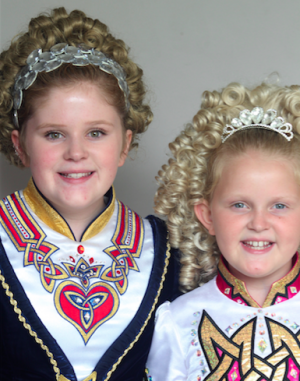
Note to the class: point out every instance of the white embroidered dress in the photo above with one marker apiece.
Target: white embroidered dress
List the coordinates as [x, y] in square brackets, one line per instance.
[218, 332]
[85, 293]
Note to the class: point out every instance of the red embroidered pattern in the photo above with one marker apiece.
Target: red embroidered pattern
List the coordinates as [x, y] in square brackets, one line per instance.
[85, 306]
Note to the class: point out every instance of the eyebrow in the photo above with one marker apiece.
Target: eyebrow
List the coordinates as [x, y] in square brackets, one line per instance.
[58, 125]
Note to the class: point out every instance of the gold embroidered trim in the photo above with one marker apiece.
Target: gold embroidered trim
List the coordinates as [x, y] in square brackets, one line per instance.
[51, 218]
[45, 212]
[239, 286]
[277, 287]
[280, 285]
[238, 351]
[101, 221]
[21, 318]
[168, 254]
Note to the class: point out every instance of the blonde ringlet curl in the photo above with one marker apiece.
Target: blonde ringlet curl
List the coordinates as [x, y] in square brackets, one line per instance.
[192, 174]
[47, 30]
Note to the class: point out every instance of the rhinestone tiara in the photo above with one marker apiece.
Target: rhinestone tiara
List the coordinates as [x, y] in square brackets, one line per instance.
[81, 55]
[257, 118]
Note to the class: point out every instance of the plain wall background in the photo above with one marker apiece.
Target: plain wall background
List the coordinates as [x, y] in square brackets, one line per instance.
[184, 47]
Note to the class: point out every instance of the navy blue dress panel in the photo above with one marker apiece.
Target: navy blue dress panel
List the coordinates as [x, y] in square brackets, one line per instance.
[22, 359]
[132, 366]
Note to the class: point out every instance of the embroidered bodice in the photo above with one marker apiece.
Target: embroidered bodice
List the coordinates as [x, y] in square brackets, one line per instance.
[218, 332]
[87, 293]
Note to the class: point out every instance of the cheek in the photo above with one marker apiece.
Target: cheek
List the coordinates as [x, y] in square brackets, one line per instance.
[220, 221]
[289, 230]
[226, 227]
[110, 157]
[41, 157]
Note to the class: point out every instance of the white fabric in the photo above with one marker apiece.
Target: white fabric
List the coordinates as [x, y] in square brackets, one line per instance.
[83, 357]
[176, 353]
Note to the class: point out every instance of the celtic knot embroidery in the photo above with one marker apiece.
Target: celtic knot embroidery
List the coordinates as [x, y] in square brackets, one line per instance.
[127, 245]
[29, 238]
[86, 309]
[83, 271]
[234, 358]
[86, 306]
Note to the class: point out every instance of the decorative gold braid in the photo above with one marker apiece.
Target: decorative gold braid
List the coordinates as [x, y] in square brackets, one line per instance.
[150, 313]
[27, 326]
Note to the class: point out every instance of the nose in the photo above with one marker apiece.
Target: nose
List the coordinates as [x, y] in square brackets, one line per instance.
[259, 221]
[76, 149]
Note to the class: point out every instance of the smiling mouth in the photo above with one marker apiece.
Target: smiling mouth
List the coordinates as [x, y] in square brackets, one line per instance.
[76, 175]
[258, 245]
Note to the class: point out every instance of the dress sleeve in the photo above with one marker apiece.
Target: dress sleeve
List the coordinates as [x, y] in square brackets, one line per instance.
[166, 359]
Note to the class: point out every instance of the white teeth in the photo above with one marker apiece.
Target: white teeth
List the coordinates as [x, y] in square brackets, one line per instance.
[258, 245]
[76, 175]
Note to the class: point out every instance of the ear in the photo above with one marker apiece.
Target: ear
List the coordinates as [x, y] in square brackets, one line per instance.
[15, 137]
[203, 213]
[125, 150]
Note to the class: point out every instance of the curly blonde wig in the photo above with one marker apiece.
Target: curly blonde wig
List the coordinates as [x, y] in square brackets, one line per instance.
[198, 158]
[45, 31]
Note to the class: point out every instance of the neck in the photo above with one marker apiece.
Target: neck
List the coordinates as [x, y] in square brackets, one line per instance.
[259, 287]
[78, 222]
[69, 221]
[258, 291]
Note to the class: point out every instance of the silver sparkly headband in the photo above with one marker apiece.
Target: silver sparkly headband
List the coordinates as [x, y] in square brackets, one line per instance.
[80, 55]
[257, 118]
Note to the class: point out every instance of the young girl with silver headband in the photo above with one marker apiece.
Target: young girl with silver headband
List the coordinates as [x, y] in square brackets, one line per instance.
[81, 274]
[231, 195]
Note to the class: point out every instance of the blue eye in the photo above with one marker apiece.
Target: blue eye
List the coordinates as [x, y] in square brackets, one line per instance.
[279, 206]
[239, 205]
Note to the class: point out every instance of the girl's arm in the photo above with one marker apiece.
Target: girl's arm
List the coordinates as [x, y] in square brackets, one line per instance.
[166, 358]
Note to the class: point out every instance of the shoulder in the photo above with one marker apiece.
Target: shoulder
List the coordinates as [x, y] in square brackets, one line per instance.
[167, 258]
[158, 226]
[185, 306]
[174, 321]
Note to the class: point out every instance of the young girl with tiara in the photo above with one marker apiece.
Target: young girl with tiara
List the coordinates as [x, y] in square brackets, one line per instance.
[80, 273]
[231, 195]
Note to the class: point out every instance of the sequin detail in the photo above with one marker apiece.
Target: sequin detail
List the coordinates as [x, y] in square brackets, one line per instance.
[80, 249]
[262, 345]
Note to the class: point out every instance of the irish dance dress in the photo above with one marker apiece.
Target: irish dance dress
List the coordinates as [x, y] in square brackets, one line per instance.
[82, 310]
[218, 332]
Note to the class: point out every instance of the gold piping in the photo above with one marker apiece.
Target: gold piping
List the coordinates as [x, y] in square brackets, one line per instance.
[21, 318]
[149, 315]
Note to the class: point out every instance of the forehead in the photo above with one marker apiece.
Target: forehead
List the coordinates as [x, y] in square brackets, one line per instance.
[82, 87]
[256, 169]
[76, 107]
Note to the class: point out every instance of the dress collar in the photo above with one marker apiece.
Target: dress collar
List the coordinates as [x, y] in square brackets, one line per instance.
[55, 221]
[282, 290]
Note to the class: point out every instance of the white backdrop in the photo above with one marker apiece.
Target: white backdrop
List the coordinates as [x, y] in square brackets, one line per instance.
[184, 48]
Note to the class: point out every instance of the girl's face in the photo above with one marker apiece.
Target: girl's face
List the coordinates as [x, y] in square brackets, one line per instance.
[255, 216]
[74, 143]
